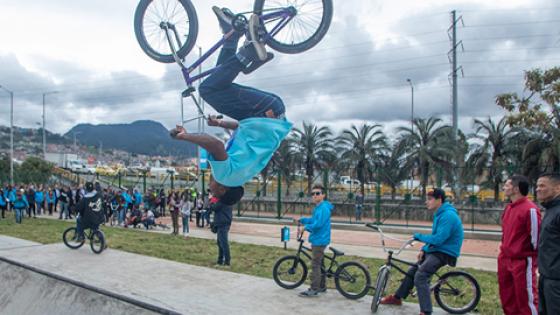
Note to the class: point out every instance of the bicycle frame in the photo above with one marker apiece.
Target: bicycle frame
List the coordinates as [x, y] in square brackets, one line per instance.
[302, 249]
[284, 15]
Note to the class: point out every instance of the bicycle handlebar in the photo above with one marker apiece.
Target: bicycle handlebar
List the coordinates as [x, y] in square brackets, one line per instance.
[406, 243]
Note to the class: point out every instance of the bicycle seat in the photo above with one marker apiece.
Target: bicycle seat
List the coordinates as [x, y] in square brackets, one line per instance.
[336, 251]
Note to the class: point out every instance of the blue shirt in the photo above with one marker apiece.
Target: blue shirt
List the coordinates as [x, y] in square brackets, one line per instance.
[319, 225]
[447, 232]
[249, 150]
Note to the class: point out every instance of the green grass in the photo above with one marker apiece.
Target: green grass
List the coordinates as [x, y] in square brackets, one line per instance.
[256, 260]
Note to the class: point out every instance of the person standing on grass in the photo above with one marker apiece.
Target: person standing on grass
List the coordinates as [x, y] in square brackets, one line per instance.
[319, 228]
[30, 195]
[50, 200]
[548, 194]
[174, 210]
[3, 204]
[20, 204]
[39, 201]
[517, 263]
[63, 201]
[186, 213]
[223, 214]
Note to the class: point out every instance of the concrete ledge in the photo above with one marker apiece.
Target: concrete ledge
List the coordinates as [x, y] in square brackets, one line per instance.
[388, 228]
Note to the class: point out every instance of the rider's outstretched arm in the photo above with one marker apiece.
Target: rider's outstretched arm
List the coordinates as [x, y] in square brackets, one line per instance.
[210, 143]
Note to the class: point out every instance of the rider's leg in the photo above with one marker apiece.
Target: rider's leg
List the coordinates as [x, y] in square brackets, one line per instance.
[429, 266]
[234, 100]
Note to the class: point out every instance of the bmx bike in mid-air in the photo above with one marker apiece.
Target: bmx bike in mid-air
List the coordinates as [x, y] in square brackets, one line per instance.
[167, 30]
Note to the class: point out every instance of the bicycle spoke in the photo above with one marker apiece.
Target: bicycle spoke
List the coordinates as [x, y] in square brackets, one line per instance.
[457, 292]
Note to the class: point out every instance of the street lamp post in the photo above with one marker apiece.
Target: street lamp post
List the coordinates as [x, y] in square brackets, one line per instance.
[11, 134]
[411, 125]
[75, 147]
[44, 123]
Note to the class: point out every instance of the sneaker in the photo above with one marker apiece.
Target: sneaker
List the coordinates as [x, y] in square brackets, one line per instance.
[225, 18]
[309, 293]
[322, 290]
[390, 300]
[254, 39]
[257, 64]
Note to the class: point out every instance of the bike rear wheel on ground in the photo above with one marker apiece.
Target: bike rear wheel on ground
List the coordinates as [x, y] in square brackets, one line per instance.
[152, 15]
[70, 238]
[457, 292]
[352, 280]
[380, 285]
[305, 30]
[289, 272]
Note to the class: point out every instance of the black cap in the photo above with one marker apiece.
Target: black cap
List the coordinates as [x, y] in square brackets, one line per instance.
[437, 193]
[89, 186]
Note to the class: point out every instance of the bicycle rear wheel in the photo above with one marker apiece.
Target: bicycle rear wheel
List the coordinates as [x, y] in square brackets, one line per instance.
[305, 30]
[289, 272]
[352, 280]
[457, 292]
[70, 238]
[380, 285]
[149, 18]
[97, 242]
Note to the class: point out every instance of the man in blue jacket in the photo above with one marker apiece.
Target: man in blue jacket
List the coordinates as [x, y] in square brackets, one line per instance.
[319, 228]
[443, 247]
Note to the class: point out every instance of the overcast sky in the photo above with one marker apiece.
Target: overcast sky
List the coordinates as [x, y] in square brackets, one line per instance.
[87, 51]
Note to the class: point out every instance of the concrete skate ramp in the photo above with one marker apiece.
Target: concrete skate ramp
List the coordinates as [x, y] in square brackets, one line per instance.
[27, 290]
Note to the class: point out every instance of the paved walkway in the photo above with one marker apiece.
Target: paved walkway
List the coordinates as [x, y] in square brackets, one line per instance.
[177, 287]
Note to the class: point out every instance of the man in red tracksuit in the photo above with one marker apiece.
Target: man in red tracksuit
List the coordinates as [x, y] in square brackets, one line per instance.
[517, 261]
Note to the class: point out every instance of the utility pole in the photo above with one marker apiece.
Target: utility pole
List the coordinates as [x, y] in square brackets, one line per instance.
[11, 134]
[75, 146]
[454, 69]
[44, 124]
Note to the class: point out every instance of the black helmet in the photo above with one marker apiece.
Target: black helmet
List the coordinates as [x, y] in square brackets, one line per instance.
[89, 186]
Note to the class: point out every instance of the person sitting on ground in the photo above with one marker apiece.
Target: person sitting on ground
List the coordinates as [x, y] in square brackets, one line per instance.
[443, 247]
[134, 218]
[319, 228]
[148, 218]
[90, 211]
[260, 124]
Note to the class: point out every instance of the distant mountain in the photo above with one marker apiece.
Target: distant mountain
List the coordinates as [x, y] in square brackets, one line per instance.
[140, 137]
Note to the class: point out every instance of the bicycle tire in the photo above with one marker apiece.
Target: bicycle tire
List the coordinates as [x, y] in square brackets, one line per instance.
[380, 284]
[445, 278]
[70, 234]
[292, 263]
[342, 274]
[307, 42]
[97, 242]
[148, 48]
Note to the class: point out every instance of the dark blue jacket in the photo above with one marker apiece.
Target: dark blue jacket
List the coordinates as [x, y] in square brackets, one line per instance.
[319, 225]
[447, 232]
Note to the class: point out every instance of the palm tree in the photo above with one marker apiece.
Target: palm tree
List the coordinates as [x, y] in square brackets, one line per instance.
[312, 145]
[363, 147]
[427, 146]
[284, 162]
[491, 156]
[394, 167]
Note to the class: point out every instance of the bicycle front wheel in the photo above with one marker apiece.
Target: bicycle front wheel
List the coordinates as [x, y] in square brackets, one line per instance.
[457, 292]
[289, 272]
[352, 280]
[97, 242]
[70, 238]
[151, 19]
[380, 285]
[305, 30]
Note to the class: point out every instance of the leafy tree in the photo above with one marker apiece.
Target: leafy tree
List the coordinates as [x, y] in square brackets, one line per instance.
[538, 111]
[394, 168]
[35, 170]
